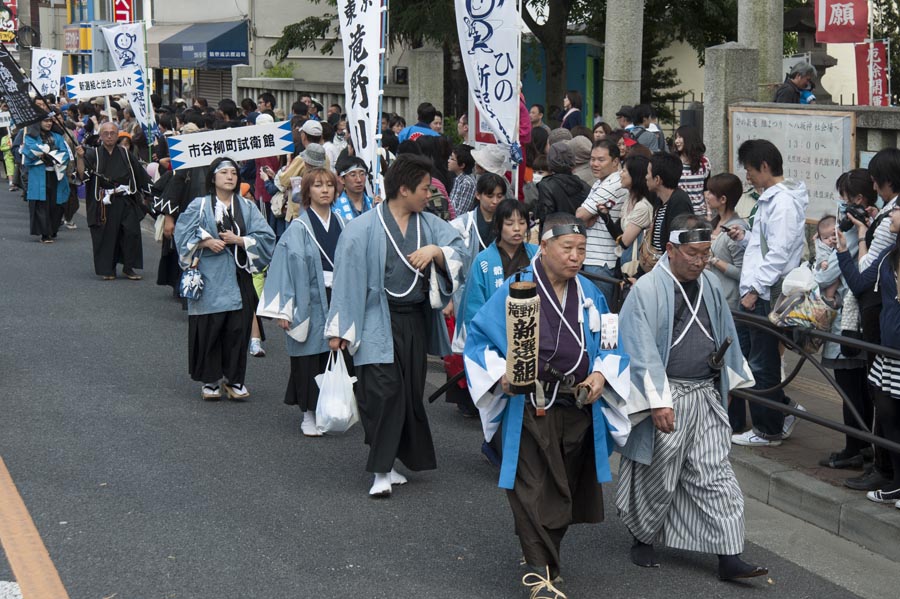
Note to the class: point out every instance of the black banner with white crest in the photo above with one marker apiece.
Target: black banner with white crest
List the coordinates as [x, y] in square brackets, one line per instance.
[14, 88]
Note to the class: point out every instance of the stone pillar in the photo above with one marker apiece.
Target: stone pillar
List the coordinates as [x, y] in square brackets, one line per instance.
[622, 56]
[761, 26]
[426, 80]
[729, 77]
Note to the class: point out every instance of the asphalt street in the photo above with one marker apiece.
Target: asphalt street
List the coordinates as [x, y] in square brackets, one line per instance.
[141, 490]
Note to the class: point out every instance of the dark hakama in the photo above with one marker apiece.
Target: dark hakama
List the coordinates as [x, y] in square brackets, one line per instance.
[390, 397]
[115, 228]
[302, 389]
[217, 343]
[556, 479]
[46, 216]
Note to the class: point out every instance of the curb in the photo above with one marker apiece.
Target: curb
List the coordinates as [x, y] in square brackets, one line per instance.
[842, 512]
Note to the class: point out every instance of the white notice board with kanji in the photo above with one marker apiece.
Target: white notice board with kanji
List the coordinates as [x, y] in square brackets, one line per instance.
[816, 146]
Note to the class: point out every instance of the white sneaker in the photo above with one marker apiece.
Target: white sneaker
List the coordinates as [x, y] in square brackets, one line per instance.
[397, 478]
[751, 439]
[381, 487]
[308, 426]
[897, 505]
[256, 348]
[70, 224]
[790, 423]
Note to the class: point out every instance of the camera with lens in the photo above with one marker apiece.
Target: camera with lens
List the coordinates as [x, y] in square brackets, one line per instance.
[857, 212]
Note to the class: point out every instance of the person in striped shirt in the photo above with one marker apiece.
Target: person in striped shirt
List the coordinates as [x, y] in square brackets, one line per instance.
[696, 168]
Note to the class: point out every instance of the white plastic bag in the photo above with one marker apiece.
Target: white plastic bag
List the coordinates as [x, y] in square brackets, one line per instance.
[799, 279]
[336, 411]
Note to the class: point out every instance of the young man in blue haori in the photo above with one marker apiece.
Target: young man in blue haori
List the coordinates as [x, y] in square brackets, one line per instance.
[555, 448]
[676, 485]
[396, 269]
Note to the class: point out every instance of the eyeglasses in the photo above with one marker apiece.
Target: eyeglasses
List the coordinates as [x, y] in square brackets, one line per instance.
[698, 259]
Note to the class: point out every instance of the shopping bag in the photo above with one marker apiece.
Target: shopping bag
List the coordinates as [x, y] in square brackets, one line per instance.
[336, 411]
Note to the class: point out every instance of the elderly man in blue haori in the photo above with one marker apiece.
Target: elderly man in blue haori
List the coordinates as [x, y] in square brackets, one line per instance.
[676, 485]
[396, 269]
[555, 449]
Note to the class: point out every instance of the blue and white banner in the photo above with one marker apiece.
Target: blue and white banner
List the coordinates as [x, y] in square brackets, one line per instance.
[112, 83]
[237, 143]
[362, 34]
[489, 40]
[126, 47]
[46, 70]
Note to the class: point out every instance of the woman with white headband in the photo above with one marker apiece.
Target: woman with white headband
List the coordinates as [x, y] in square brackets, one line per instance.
[228, 240]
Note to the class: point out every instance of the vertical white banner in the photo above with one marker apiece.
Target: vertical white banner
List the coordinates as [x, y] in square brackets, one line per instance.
[362, 35]
[126, 47]
[46, 70]
[489, 39]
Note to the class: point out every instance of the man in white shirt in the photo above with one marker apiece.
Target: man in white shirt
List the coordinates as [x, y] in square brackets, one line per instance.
[774, 248]
[608, 196]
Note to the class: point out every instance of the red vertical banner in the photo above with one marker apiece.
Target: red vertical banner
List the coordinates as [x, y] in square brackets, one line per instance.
[123, 11]
[842, 21]
[9, 21]
[872, 72]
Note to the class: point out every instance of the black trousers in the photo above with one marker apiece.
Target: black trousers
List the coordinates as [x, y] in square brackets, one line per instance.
[46, 215]
[217, 343]
[887, 414]
[854, 384]
[118, 241]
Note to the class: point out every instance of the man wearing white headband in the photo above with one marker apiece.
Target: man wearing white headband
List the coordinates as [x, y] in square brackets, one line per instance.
[354, 200]
[555, 446]
[676, 485]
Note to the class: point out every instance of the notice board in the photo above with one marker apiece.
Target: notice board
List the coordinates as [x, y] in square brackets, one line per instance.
[816, 146]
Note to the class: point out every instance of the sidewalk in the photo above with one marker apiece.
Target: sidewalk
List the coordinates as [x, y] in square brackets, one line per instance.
[790, 479]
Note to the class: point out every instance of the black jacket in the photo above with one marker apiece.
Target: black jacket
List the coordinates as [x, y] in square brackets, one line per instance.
[787, 93]
[560, 192]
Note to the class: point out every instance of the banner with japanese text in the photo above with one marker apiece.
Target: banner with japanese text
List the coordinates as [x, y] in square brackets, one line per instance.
[237, 143]
[362, 38]
[872, 74]
[9, 21]
[111, 83]
[489, 38]
[46, 70]
[126, 47]
[123, 11]
[14, 89]
[841, 21]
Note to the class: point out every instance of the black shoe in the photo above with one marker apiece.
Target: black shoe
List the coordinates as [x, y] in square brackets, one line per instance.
[732, 567]
[841, 459]
[870, 481]
[867, 453]
[643, 555]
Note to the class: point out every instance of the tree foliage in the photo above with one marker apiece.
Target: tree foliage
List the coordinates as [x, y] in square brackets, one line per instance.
[887, 25]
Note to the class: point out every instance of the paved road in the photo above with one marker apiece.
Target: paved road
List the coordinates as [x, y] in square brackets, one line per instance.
[141, 490]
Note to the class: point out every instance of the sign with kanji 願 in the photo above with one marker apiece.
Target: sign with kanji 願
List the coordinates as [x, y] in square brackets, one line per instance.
[237, 143]
[9, 21]
[46, 69]
[841, 21]
[362, 34]
[113, 83]
[872, 74]
[489, 37]
[14, 89]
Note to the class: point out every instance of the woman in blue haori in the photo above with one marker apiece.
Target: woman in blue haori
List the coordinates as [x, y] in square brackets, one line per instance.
[230, 241]
[298, 290]
[555, 452]
[396, 269]
[45, 155]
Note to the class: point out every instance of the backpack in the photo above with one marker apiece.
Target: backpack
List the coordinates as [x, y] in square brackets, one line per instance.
[654, 141]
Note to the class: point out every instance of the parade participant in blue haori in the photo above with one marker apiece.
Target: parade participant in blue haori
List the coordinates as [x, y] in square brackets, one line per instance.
[45, 155]
[396, 269]
[298, 290]
[676, 485]
[228, 240]
[557, 439]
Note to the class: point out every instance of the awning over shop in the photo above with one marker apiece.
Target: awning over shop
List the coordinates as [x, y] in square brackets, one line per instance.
[155, 36]
[206, 46]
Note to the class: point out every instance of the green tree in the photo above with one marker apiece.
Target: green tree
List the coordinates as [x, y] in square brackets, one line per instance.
[887, 25]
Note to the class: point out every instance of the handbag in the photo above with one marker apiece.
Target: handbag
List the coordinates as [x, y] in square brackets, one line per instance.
[647, 255]
[630, 259]
[192, 281]
[336, 410]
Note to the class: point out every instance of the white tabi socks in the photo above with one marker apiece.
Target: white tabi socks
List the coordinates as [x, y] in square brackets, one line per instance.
[308, 426]
[397, 478]
[382, 486]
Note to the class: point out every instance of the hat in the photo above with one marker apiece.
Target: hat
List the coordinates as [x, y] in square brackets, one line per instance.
[124, 134]
[558, 135]
[99, 101]
[581, 149]
[625, 111]
[190, 128]
[629, 141]
[264, 119]
[310, 127]
[560, 159]
[348, 164]
[314, 155]
[491, 158]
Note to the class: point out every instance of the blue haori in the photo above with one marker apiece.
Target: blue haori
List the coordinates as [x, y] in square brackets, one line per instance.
[485, 362]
